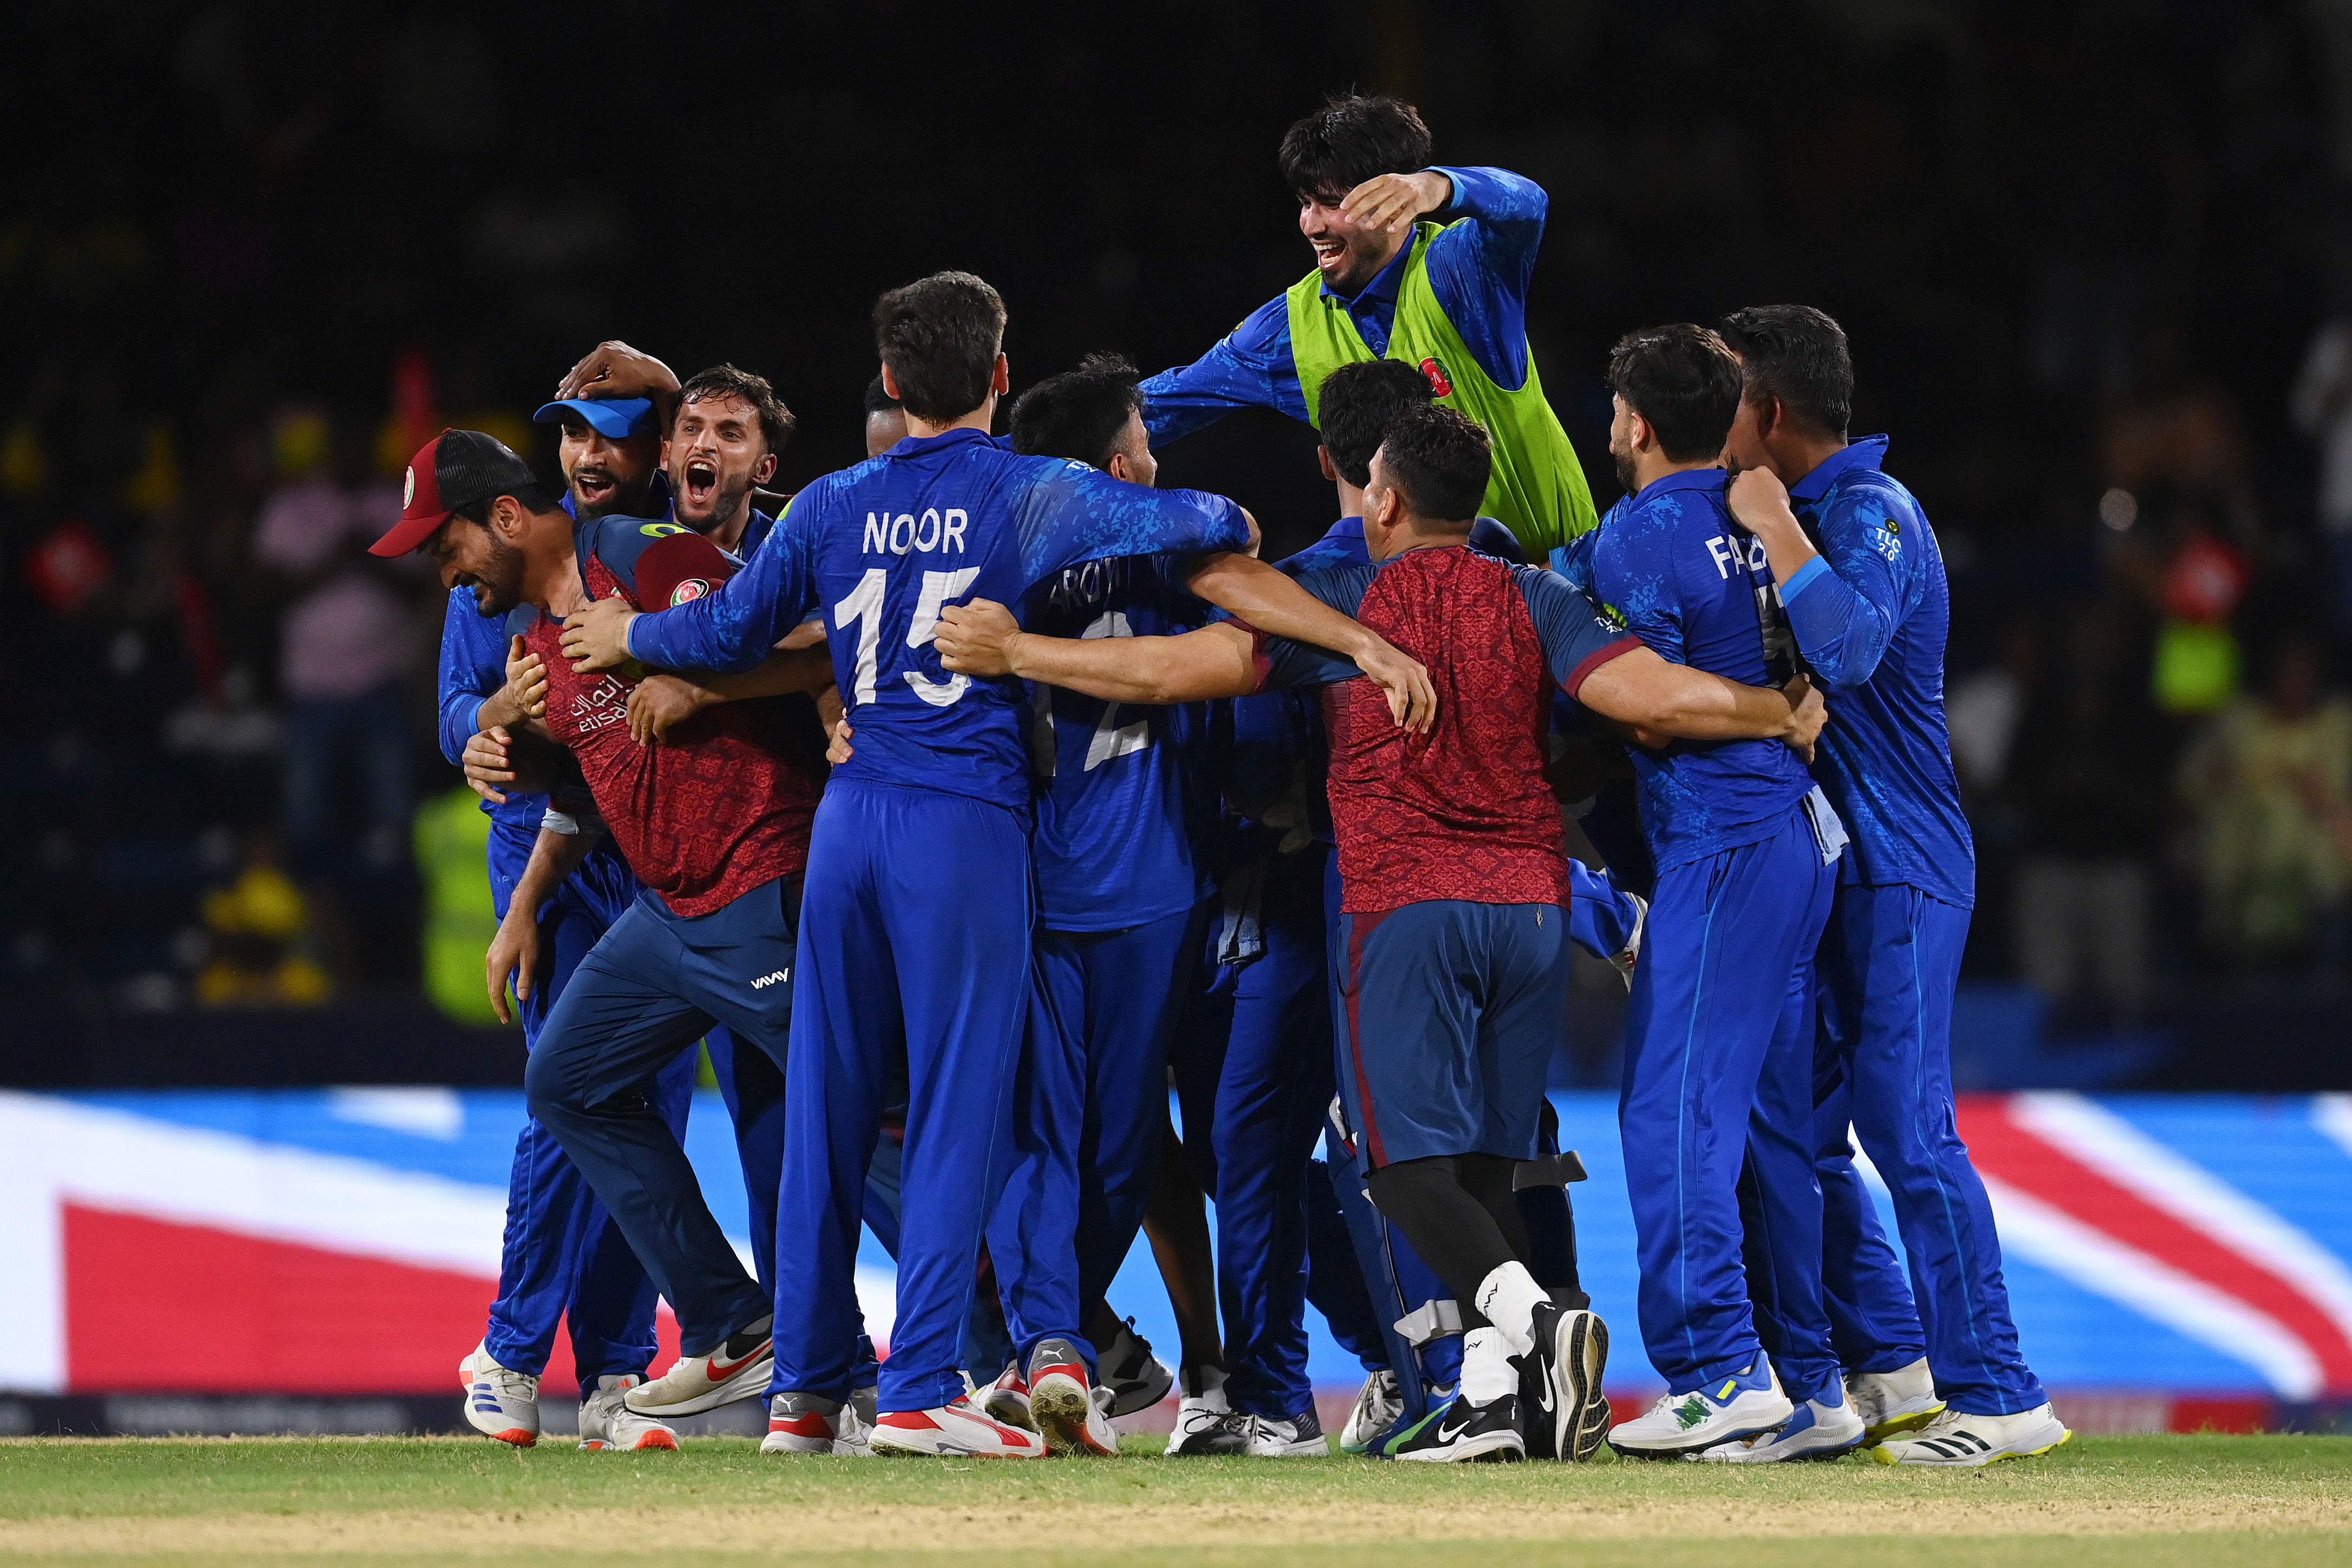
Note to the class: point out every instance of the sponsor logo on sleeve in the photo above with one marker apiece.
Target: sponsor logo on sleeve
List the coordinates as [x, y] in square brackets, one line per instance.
[661, 530]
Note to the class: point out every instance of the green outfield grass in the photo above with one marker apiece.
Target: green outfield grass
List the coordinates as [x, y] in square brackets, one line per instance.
[2150, 1503]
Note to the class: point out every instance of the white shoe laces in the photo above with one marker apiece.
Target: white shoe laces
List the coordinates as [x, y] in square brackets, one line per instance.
[508, 1383]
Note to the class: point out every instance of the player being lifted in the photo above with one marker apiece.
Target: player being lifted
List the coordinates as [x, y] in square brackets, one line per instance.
[1453, 967]
[917, 927]
[1448, 296]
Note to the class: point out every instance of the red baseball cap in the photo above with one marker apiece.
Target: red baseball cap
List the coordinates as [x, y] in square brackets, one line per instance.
[455, 468]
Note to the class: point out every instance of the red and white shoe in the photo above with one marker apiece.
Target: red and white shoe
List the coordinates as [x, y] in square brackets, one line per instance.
[739, 1369]
[1007, 1399]
[501, 1401]
[811, 1424]
[956, 1430]
[608, 1426]
[1061, 1402]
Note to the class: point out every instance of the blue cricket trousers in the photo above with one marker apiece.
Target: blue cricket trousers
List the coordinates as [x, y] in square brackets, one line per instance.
[1088, 1108]
[916, 933]
[1889, 964]
[1718, 1058]
[562, 1259]
[657, 983]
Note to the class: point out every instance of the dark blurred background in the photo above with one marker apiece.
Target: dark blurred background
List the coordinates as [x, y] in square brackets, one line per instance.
[2093, 260]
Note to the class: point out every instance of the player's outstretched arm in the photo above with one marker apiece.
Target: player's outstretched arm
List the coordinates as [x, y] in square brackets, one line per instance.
[1272, 602]
[663, 700]
[1668, 701]
[982, 639]
[514, 951]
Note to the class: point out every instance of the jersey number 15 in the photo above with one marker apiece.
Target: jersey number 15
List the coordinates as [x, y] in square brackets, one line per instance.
[863, 609]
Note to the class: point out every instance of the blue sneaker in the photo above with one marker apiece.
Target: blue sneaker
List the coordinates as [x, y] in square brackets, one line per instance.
[1817, 1431]
[1691, 1421]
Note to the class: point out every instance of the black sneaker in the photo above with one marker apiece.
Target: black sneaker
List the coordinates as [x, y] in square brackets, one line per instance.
[1136, 1379]
[1572, 1351]
[1466, 1433]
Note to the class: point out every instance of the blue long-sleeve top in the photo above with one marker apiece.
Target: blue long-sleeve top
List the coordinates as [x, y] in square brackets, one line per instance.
[472, 665]
[1479, 270]
[1871, 615]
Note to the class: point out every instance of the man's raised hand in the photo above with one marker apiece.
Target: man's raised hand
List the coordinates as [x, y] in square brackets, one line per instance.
[615, 370]
[659, 704]
[1392, 202]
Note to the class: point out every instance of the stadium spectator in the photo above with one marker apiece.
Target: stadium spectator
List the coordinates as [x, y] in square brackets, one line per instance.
[2270, 782]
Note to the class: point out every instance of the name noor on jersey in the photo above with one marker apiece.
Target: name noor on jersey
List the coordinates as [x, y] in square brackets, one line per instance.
[934, 530]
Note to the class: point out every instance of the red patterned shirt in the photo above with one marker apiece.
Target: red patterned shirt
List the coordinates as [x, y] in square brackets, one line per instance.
[1462, 812]
[725, 803]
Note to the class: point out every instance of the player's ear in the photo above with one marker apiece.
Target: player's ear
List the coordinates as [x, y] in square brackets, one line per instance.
[1323, 457]
[765, 469]
[890, 384]
[1001, 381]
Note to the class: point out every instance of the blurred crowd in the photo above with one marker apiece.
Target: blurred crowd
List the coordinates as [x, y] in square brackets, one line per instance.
[2096, 264]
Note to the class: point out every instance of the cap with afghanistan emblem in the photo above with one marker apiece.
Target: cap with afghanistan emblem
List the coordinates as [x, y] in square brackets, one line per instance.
[455, 468]
[612, 417]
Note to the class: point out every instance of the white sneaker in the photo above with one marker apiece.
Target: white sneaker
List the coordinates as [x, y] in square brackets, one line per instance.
[608, 1424]
[1893, 1403]
[1697, 1419]
[1007, 1398]
[1960, 1439]
[1817, 1431]
[957, 1430]
[737, 1369]
[1626, 957]
[1063, 1403]
[1300, 1436]
[500, 1401]
[1378, 1406]
[810, 1424]
[1205, 1421]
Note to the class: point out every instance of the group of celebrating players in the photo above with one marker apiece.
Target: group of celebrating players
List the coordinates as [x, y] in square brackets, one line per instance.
[961, 808]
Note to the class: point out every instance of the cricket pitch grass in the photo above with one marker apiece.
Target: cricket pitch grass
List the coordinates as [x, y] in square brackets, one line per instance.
[2149, 1502]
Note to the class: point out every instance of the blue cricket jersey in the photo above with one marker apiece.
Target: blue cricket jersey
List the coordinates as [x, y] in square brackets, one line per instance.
[1479, 270]
[1871, 615]
[1122, 810]
[1672, 567]
[473, 667]
[883, 546]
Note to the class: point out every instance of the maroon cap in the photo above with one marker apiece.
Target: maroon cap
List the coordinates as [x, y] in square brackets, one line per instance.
[455, 468]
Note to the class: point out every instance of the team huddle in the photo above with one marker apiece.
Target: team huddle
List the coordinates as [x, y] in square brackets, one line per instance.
[958, 809]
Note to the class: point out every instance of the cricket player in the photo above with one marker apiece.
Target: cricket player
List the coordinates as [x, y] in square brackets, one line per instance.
[1867, 601]
[1428, 266]
[1717, 1037]
[918, 928]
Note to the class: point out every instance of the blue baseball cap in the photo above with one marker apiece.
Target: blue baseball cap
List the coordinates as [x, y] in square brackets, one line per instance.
[612, 416]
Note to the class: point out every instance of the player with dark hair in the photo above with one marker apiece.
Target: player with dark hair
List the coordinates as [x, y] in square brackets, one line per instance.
[918, 921]
[1451, 857]
[1447, 296]
[708, 940]
[1867, 601]
[1718, 1038]
[886, 422]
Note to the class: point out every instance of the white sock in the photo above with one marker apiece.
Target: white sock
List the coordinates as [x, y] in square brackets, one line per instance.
[1506, 1298]
[1487, 1371]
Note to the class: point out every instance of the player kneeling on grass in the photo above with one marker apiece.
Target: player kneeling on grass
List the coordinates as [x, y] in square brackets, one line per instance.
[1452, 967]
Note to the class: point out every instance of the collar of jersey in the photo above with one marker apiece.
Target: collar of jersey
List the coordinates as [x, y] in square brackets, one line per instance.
[1684, 479]
[916, 446]
[1870, 452]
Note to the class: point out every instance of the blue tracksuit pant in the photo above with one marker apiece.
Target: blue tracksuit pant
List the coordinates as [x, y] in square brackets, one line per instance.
[1601, 915]
[1089, 1105]
[1718, 1058]
[916, 932]
[1254, 1067]
[1889, 964]
[655, 984]
[562, 1256]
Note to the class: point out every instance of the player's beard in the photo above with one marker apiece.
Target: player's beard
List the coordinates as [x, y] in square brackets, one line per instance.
[498, 587]
[1625, 470]
[724, 499]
